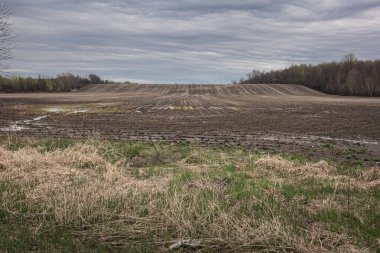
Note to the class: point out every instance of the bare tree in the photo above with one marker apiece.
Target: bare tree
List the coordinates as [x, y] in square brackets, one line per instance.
[5, 35]
[350, 57]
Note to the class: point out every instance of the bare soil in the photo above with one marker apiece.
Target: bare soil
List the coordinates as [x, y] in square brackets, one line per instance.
[278, 118]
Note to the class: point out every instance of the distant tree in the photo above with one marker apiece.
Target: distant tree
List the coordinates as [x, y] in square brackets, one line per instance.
[350, 76]
[62, 83]
[349, 58]
[5, 35]
[95, 79]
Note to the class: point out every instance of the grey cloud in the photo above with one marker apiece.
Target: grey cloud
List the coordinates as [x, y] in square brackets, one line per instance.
[187, 41]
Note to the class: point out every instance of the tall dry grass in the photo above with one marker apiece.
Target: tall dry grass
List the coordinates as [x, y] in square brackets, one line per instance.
[227, 208]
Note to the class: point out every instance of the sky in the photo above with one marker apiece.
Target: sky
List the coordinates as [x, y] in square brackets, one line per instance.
[187, 41]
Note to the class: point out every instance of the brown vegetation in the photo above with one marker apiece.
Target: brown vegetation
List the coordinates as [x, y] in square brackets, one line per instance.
[225, 200]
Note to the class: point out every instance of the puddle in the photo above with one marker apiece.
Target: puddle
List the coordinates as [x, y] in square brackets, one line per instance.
[54, 109]
[150, 108]
[138, 109]
[347, 140]
[187, 108]
[67, 110]
[165, 107]
[38, 118]
[173, 107]
[12, 128]
[79, 111]
[215, 108]
[312, 138]
[20, 125]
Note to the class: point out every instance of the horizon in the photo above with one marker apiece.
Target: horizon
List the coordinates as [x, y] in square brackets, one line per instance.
[186, 42]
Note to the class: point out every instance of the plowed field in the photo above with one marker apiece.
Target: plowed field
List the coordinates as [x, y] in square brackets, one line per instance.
[285, 118]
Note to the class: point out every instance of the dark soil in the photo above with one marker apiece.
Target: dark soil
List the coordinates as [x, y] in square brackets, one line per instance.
[274, 118]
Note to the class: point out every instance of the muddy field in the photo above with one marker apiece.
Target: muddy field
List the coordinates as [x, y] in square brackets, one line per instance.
[278, 118]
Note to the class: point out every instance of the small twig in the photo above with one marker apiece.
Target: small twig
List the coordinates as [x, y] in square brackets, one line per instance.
[155, 148]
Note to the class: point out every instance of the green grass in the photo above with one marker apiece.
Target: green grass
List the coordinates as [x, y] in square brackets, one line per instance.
[221, 195]
[297, 158]
[115, 151]
[53, 145]
[365, 228]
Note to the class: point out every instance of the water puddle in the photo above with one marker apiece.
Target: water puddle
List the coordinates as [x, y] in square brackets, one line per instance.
[79, 111]
[215, 108]
[312, 138]
[39, 118]
[173, 107]
[21, 125]
[12, 128]
[54, 109]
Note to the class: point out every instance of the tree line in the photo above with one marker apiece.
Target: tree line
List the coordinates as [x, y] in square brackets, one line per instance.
[61, 83]
[348, 77]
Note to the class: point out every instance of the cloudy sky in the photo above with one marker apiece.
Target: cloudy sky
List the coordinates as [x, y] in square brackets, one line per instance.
[187, 41]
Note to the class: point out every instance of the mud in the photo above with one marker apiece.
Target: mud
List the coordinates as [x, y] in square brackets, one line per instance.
[278, 118]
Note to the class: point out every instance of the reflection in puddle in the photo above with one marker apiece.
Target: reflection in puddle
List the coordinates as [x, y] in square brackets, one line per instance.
[12, 128]
[20, 125]
[78, 111]
[39, 118]
[54, 109]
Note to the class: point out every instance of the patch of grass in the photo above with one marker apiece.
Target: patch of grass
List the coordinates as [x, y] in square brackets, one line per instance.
[115, 151]
[186, 176]
[15, 237]
[310, 189]
[16, 194]
[12, 142]
[355, 151]
[297, 158]
[86, 196]
[16, 145]
[183, 149]
[364, 229]
[55, 144]
[328, 146]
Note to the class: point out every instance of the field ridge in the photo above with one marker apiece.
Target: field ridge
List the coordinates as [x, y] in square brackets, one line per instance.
[203, 89]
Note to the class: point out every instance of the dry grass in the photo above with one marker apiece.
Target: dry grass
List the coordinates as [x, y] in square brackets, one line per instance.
[279, 165]
[76, 185]
[230, 201]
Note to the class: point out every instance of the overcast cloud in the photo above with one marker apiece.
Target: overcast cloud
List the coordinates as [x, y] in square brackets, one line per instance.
[187, 41]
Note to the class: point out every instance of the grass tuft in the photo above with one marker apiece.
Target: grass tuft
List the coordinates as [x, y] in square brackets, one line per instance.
[101, 196]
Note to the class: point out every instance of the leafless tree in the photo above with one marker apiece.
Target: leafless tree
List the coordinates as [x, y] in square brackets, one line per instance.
[350, 57]
[5, 35]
